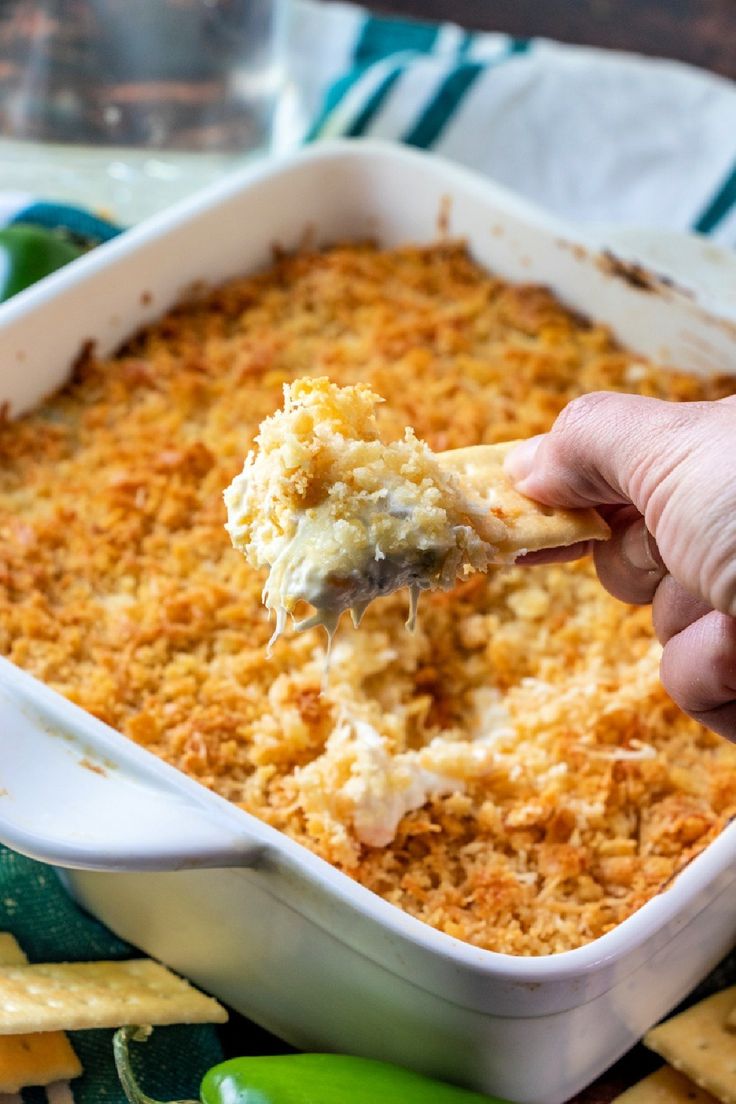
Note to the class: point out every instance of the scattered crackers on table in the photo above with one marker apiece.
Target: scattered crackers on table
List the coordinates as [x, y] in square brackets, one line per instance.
[39, 1002]
[700, 1046]
[39, 1058]
[74, 995]
[665, 1086]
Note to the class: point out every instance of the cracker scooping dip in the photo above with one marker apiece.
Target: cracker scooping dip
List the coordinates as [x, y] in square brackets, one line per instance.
[341, 518]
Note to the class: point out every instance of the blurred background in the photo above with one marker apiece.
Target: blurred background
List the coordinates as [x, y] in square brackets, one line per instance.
[143, 100]
[125, 106]
[702, 32]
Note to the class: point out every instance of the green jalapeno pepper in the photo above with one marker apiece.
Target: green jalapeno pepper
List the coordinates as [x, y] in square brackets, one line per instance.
[303, 1079]
[27, 253]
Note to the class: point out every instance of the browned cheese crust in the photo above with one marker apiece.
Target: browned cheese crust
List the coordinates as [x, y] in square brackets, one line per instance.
[119, 588]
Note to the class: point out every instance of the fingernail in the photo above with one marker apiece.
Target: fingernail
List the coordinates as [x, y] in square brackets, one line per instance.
[639, 548]
[519, 463]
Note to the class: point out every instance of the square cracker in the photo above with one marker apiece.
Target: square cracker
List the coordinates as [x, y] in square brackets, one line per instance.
[665, 1086]
[36, 1059]
[10, 952]
[528, 526]
[74, 995]
[698, 1044]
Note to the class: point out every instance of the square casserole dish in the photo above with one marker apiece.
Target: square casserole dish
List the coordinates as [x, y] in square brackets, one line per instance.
[244, 911]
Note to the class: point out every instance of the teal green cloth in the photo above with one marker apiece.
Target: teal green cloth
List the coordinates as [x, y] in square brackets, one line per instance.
[50, 927]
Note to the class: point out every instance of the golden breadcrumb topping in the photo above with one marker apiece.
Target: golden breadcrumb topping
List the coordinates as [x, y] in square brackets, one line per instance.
[554, 786]
[340, 517]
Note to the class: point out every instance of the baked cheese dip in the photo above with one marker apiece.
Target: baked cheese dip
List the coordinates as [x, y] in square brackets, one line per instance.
[339, 517]
[512, 773]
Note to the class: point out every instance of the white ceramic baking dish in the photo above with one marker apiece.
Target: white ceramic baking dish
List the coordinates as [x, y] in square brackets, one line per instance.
[248, 914]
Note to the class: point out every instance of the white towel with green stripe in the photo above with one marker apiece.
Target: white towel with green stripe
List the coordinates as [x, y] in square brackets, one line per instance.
[596, 136]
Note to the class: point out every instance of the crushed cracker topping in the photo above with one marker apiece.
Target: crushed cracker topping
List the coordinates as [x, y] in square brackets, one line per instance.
[581, 787]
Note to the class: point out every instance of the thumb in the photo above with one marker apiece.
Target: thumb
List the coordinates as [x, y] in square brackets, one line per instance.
[600, 451]
[675, 462]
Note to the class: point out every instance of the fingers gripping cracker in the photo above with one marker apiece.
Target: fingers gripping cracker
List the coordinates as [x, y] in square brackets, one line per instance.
[529, 526]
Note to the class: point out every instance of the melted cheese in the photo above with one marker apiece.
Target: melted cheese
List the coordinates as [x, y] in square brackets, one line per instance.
[339, 517]
[374, 788]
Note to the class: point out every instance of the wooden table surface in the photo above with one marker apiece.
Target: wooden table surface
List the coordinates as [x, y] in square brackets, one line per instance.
[702, 32]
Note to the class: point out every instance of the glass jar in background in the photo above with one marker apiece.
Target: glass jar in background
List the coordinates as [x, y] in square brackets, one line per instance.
[127, 105]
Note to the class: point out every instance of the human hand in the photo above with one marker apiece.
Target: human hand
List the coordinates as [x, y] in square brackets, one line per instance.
[664, 477]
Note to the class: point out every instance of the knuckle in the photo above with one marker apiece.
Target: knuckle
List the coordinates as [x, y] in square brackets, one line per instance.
[724, 657]
[718, 579]
[624, 579]
[577, 415]
[698, 668]
[679, 689]
[712, 520]
[573, 446]
[675, 608]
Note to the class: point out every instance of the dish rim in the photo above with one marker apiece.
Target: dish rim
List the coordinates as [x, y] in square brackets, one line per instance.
[650, 919]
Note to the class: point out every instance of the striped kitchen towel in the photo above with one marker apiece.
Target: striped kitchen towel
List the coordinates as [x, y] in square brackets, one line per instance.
[595, 136]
